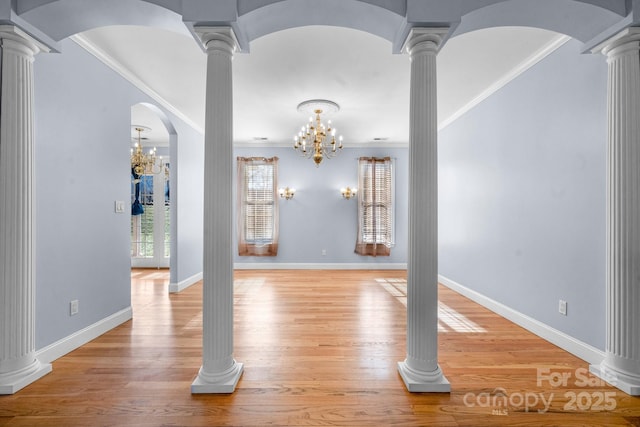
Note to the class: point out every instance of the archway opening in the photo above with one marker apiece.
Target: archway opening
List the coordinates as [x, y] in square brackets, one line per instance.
[150, 189]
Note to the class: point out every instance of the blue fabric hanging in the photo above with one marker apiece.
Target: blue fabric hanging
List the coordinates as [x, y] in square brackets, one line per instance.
[136, 207]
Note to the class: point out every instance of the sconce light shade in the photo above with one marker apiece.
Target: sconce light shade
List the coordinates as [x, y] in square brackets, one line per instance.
[348, 192]
[287, 193]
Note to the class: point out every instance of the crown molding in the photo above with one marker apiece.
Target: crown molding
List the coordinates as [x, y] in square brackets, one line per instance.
[123, 71]
[532, 60]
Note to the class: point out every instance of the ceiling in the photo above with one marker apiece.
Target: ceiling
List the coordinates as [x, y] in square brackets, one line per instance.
[353, 68]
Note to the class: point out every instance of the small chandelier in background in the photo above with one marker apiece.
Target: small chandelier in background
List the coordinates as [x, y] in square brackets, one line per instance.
[141, 163]
[315, 140]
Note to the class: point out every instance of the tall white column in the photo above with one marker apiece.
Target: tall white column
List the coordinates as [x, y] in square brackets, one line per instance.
[219, 373]
[420, 370]
[621, 366]
[19, 366]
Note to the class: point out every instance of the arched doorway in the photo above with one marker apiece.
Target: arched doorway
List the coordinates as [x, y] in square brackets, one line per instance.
[151, 190]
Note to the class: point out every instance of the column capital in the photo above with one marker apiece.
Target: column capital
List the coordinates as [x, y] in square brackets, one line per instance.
[13, 33]
[628, 37]
[217, 39]
[428, 38]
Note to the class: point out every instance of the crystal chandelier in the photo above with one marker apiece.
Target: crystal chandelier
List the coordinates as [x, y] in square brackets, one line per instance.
[141, 163]
[315, 140]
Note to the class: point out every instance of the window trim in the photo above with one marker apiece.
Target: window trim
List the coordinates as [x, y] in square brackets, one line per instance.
[249, 247]
[376, 248]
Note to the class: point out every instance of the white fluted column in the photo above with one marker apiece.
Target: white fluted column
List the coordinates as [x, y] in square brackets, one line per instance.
[219, 373]
[420, 370]
[18, 363]
[621, 366]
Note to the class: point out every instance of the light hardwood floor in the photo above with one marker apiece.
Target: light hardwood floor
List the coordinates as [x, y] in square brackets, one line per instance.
[319, 348]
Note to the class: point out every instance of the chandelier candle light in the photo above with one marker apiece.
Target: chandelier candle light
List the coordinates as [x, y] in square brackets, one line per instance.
[142, 163]
[287, 193]
[315, 140]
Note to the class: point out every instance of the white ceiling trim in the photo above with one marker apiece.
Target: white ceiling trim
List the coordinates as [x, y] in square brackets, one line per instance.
[123, 71]
[532, 60]
[116, 66]
[493, 88]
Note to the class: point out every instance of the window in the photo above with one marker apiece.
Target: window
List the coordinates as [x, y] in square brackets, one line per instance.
[375, 206]
[257, 207]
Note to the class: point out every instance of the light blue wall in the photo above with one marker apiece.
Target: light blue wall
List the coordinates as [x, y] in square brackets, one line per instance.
[189, 204]
[318, 217]
[522, 194]
[82, 134]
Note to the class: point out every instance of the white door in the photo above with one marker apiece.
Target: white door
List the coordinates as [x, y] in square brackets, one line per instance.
[150, 220]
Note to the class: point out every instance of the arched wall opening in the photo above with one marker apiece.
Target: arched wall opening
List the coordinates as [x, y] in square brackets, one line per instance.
[60, 19]
[580, 19]
[152, 222]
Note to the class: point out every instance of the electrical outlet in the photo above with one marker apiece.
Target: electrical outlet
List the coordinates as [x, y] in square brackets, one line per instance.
[74, 307]
[324, 252]
[562, 307]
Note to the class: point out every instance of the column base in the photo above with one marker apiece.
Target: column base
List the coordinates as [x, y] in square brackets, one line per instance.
[630, 384]
[421, 382]
[222, 383]
[12, 382]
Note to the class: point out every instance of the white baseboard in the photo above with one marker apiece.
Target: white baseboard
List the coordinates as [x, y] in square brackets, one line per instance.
[568, 343]
[184, 284]
[67, 344]
[319, 266]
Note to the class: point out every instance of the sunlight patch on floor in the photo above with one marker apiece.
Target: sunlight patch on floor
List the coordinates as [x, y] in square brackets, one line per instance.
[148, 274]
[247, 286]
[456, 321]
[449, 320]
[395, 287]
[242, 289]
[195, 322]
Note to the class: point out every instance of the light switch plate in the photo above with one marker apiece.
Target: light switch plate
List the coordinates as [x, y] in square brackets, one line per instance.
[119, 206]
[562, 307]
[74, 307]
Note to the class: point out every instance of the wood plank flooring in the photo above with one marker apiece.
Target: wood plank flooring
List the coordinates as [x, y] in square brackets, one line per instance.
[319, 348]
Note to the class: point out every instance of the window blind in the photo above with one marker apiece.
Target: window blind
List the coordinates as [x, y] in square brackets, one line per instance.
[259, 203]
[257, 206]
[375, 206]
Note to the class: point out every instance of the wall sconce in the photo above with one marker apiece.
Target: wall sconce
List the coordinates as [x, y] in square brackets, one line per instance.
[348, 192]
[287, 193]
